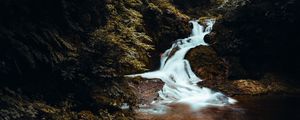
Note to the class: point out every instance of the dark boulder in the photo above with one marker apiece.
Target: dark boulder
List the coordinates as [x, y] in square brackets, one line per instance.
[262, 37]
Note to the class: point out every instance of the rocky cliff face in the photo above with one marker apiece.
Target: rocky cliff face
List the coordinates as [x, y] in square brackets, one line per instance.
[252, 40]
[261, 37]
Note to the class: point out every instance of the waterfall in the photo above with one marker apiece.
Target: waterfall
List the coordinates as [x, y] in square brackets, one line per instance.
[180, 83]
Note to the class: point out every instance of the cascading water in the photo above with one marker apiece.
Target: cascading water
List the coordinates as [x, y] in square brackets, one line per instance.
[180, 81]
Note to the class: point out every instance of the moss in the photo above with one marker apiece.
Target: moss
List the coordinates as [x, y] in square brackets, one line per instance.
[165, 23]
[270, 84]
[86, 115]
[263, 86]
[251, 87]
[153, 7]
[17, 106]
[124, 31]
[133, 3]
[170, 8]
[203, 19]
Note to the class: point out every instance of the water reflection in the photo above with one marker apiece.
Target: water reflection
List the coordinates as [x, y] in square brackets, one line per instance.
[279, 107]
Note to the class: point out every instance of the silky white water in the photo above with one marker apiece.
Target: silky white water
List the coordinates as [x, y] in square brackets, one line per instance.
[180, 83]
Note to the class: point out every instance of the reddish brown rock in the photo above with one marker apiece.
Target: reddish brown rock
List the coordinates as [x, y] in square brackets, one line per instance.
[207, 65]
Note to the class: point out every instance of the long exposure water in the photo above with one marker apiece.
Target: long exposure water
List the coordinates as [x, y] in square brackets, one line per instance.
[180, 83]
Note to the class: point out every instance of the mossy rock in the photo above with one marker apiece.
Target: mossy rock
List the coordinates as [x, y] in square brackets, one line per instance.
[250, 87]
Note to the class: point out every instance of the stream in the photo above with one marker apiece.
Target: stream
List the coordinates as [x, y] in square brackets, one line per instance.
[180, 98]
[180, 83]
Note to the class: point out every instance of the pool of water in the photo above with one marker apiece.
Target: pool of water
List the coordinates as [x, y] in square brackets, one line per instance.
[280, 107]
[267, 107]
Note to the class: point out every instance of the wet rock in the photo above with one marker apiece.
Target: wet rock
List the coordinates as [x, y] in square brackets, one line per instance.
[146, 90]
[206, 64]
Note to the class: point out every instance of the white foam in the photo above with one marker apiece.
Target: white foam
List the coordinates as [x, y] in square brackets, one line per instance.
[180, 81]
